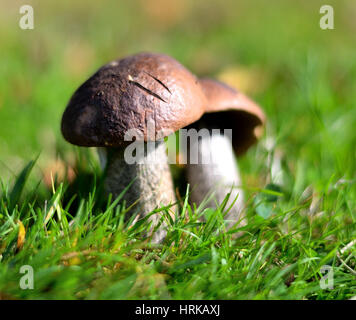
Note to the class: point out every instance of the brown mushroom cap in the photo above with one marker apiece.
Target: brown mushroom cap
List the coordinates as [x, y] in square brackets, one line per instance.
[230, 109]
[125, 93]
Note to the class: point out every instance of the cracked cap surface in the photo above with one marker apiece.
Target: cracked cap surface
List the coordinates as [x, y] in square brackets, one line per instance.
[129, 93]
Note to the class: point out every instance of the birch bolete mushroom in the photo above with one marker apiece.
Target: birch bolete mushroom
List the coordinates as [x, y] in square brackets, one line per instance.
[125, 96]
[226, 109]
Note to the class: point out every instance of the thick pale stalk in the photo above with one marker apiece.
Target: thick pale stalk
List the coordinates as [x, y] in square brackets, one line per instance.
[216, 177]
[152, 182]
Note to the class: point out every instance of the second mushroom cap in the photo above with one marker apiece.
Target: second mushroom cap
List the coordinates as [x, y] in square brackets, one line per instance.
[227, 108]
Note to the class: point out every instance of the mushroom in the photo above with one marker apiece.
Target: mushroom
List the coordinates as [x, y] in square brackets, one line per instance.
[226, 108]
[116, 105]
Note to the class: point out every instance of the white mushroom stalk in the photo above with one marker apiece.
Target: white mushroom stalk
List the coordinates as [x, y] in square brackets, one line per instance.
[216, 175]
[226, 109]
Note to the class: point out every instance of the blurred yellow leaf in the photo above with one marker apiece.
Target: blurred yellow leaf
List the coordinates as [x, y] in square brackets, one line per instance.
[164, 13]
[21, 235]
[248, 80]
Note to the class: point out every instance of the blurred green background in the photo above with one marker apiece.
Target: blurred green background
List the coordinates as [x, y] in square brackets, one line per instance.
[275, 51]
[303, 77]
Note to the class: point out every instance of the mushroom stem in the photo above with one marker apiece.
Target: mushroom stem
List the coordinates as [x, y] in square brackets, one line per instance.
[150, 176]
[220, 176]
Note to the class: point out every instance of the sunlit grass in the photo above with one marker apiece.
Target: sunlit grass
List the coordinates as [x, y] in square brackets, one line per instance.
[83, 248]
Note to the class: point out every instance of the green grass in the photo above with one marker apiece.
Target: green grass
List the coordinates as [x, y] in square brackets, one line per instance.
[77, 241]
[82, 248]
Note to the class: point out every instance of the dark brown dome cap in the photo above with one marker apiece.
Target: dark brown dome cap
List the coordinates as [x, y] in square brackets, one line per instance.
[230, 109]
[125, 93]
